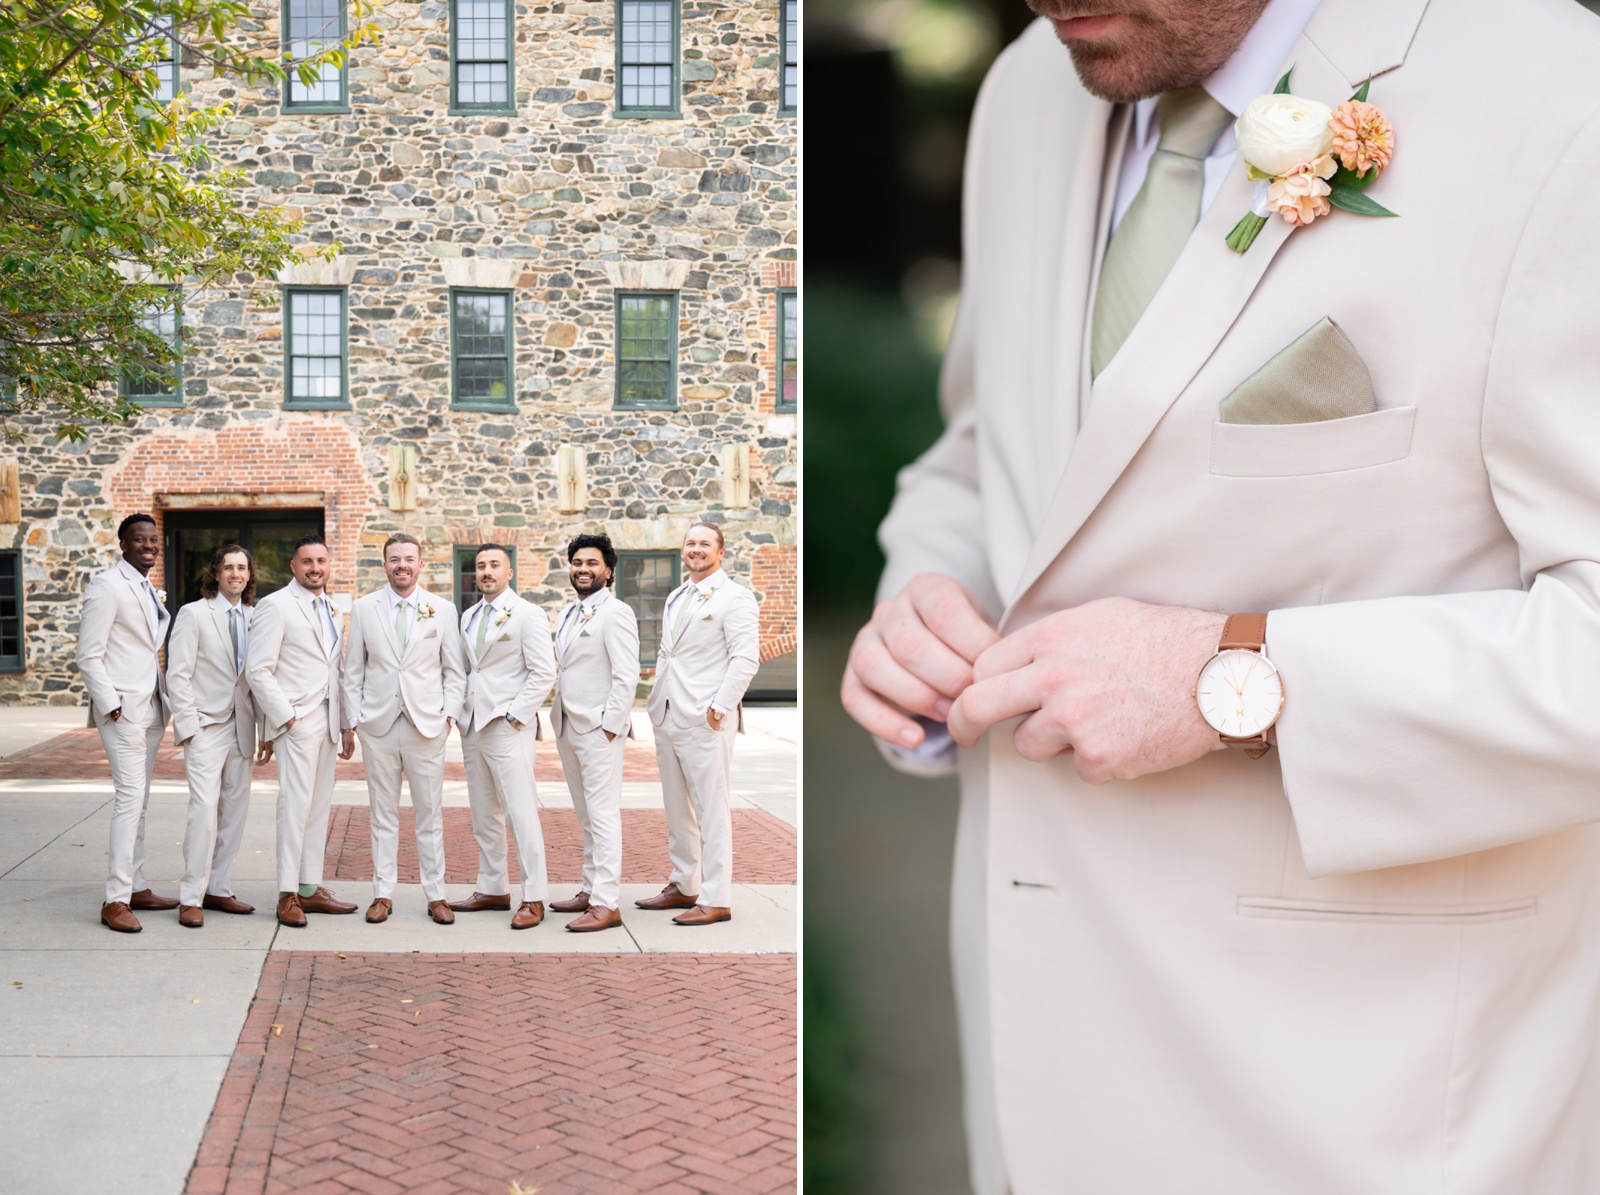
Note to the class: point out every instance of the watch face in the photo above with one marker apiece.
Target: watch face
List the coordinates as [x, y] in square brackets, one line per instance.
[1240, 693]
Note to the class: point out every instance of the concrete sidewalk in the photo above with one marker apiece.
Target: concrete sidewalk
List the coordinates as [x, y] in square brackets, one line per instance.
[117, 1045]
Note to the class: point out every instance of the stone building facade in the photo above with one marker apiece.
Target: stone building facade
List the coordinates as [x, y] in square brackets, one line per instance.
[557, 209]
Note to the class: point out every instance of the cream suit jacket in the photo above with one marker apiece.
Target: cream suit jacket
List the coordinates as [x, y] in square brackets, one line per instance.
[1369, 961]
[204, 683]
[290, 671]
[118, 649]
[597, 672]
[427, 679]
[515, 673]
[713, 660]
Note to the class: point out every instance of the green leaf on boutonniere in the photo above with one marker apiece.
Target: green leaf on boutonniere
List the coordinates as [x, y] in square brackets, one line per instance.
[1348, 199]
[1360, 96]
[1283, 84]
[1258, 175]
[1349, 178]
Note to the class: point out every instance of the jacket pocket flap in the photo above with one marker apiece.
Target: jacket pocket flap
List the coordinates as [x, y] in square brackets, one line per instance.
[1298, 449]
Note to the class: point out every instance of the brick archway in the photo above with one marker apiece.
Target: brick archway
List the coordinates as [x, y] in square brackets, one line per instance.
[300, 455]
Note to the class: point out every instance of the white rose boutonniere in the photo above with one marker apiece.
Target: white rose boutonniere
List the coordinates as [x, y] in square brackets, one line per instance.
[1307, 159]
[424, 613]
[161, 596]
[502, 618]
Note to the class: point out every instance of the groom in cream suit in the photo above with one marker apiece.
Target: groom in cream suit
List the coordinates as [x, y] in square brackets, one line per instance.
[294, 664]
[403, 682]
[710, 650]
[119, 640]
[597, 675]
[1367, 959]
[510, 668]
[214, 721]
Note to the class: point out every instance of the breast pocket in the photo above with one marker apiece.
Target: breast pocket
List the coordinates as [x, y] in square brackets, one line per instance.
[1303, 449]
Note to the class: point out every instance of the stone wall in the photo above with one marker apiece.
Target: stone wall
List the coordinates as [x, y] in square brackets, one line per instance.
[562, 204]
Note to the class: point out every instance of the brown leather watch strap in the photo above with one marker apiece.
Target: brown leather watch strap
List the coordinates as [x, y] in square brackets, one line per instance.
[1244, 632]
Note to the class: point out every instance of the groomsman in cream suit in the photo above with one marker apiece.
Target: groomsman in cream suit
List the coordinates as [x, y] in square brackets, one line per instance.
[404, 679]
[597, 675]
[214, 721]
[294, 664]
[1367, 958]
[710, 650]
[510, 668]
[119, 639]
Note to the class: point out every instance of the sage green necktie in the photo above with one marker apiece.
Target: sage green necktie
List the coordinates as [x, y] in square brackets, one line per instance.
[233, 634]
[685, 601]
[400, 624]
[1158, 222]
[483, 630]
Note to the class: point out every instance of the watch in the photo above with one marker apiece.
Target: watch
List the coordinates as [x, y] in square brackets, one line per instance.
[1240, 692]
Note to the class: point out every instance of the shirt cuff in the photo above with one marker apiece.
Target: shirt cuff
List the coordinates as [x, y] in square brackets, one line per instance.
[720, 710]
[937, 749]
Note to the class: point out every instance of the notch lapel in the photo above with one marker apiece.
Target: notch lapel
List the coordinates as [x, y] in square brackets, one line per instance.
[1194, 309]
[219, 620]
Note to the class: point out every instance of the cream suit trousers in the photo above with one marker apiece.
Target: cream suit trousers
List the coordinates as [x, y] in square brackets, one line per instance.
[696, 763]
[219, 798]
[500, 787]
[131, 750]
[404, 751]
[593, 768]
[306, 758]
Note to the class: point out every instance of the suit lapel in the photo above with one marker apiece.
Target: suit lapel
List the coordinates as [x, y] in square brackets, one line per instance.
[492, 636]
[219, 620]
[1196, 305]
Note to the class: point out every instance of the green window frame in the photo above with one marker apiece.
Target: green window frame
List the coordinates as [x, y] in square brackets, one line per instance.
[789, 56]
[149, 390]
[464, 574]
[788, 395]
[648, 50]
[643, 580]
[309, 27]
[483, 76]
[482, 350]
[647, 350]
[316, 348]
[13, 644]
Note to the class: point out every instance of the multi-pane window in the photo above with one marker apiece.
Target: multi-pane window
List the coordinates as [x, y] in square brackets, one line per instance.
[647, 335]
[466, 575]
[310, 27]
[480, 33]
[11, 653]
[789, 33]
[165, 67]
[314, 348]
[788, 352]
[162, 385]
[647, 57]
[481, 339]
[644, 579]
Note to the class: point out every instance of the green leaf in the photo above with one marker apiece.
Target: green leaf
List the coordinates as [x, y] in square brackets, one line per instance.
[1360, 96]
[1283, 84]
[1351, 200]
[1349, 178]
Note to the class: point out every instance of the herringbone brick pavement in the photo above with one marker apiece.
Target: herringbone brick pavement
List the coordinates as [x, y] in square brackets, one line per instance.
[456, 1074]
[79, 755]
[764, 847]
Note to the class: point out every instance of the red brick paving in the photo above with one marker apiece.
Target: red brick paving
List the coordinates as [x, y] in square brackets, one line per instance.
[79, 755]
[458, 1074]
[764, 847]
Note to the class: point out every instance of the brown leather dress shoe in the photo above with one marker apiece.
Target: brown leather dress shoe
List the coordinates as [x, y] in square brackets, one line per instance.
[119, 917]
[323, 901]
[378, 911]
[225, 904]
[597, 917]
[289, 911]
[704, 915]
[576, 904]
[440, 911]
[478, 902]
[668, 898]
[190, 916]
[528, 915]
[146, 899]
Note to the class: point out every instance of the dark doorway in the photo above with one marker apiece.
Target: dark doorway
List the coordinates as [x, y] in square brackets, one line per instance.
[193, 535]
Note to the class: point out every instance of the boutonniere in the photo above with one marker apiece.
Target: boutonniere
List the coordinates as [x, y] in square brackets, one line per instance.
[424, 613]
[1307, 159]
[706, 594]
[161, 596]
[502, 618]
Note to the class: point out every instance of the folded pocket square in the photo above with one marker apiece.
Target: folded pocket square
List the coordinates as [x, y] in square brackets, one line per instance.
[1320, 376]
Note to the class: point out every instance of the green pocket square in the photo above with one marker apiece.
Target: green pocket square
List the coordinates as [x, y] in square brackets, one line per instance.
[1320, 376]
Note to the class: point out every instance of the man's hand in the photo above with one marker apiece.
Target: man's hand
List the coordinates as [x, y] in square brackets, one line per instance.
[449, 723]
[1111, 681]
[116, 714]
[347, 744]
[713, 719]
[289, 725]
[915, 657]
[610, 738]
[263, 752]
